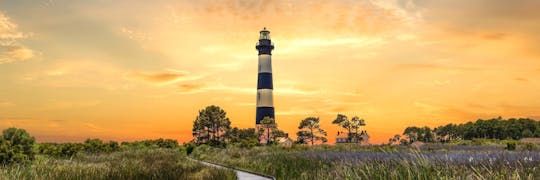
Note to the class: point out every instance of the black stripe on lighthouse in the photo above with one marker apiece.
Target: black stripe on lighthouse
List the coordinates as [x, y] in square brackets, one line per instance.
[265, 81]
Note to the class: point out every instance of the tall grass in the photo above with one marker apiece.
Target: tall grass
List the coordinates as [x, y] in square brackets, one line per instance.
[380, 162]
[127, 164]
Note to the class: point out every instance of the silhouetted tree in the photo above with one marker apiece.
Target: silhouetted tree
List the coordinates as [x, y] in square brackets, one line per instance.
[356, 124]
[210, 125]
[345, 123]
[310, 131]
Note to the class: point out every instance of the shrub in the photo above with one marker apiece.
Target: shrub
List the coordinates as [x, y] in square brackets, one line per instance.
[510, 146]
[93, 145]
[529, 146]
[189, 148]
[157, 143]
[16, 146]
[112, 146]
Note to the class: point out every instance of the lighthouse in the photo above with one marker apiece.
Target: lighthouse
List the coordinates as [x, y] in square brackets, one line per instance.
[265, 102]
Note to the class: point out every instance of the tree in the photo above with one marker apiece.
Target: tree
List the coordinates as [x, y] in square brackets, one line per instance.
[412, 133]
[356, 124]
[495, 128]
[16, 146]
[210, 125]
[243, 137]
[268, 125]
[309, 130]
[395, 139]
[427, 135]
[422, 134]
[345, 123]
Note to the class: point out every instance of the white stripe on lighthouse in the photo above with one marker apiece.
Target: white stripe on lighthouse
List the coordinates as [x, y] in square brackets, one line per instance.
[265, 63]
[265, 98]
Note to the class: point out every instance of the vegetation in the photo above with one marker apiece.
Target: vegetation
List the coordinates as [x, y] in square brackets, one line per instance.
[432, 161]
[310, 131]
[243, 137]
[354, 124]
[344, 122]
[98, 146]
[16, 146]
[496, 128]
[210, 126]
[95, 159]
[270, 131]
[480, 150]
[145, 163]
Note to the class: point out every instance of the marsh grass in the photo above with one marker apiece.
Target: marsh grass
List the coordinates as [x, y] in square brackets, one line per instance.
[380, 162]
[128, 164]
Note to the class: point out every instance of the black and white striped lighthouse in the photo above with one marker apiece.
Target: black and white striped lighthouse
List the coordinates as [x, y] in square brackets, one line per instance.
[265, 102]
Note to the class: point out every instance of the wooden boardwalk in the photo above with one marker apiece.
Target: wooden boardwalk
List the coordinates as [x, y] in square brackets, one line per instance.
[241, 174]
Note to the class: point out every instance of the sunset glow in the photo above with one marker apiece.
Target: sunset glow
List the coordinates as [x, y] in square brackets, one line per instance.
[133, 70]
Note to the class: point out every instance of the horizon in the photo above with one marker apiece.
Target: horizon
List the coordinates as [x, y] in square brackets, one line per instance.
[137, 70]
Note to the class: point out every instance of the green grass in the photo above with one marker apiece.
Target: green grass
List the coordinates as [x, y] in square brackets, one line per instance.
[380, 162]
[126, 164]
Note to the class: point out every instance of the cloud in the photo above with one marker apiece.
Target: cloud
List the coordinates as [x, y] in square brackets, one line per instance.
[199, 88]
[78, 73]
[338, 17]
[168, 77]
[135, 35]
[157, 77]
[94, 128]
[191, 87]
[10, 48]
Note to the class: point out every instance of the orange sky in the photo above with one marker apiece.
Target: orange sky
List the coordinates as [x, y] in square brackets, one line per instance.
[131, 70]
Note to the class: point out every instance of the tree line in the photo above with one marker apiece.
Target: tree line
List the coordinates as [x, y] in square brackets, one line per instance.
[18, 146]
[495, 128]
[212, 127]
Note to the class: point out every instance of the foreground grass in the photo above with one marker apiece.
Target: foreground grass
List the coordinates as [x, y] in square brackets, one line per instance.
[380, 162]
[126, 164]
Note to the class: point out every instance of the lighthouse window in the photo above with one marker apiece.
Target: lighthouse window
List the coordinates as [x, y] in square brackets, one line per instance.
[265, 35]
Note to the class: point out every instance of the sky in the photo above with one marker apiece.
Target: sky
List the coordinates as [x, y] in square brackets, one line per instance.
[133, 70]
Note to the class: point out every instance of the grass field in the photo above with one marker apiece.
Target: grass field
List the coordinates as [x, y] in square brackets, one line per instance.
[381, 162]
[125, 164]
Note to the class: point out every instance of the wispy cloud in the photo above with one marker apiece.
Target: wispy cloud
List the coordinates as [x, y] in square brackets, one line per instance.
[168, 77]
[199, 88]
[157, 77]
[94, 128]
[10, 48]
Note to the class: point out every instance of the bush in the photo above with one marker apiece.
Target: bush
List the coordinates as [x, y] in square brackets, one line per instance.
[93, 145]
[16, 146]
[510, 146]
[189, 148]
[529, 146]
[157, 143]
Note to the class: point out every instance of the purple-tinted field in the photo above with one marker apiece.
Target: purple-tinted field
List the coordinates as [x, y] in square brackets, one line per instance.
[381, 162]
